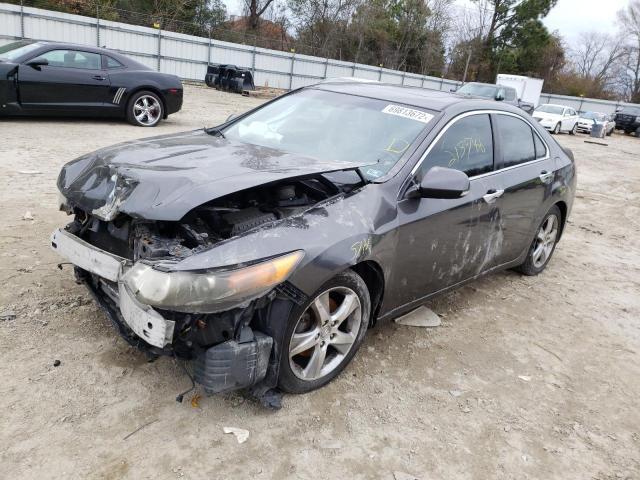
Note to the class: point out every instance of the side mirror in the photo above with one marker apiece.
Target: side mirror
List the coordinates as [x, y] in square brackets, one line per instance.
[454, 89]
[38, 62]
[441, 182]
[499, 97]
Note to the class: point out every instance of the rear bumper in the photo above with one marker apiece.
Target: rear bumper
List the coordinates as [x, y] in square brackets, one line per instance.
[173, 98]
[236, 363]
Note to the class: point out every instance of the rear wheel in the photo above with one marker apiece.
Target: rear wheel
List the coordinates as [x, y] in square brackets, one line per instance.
[145, 109]
[556, 129]
[324, 334]
[544, 243]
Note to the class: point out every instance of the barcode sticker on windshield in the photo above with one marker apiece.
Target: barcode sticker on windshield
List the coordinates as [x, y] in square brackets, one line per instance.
[405, 112]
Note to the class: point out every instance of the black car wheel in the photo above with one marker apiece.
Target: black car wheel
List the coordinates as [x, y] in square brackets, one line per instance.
[574, 129]
[145, 109]
[325, 333]
[556, 129]
[637, 132]
[543, 245]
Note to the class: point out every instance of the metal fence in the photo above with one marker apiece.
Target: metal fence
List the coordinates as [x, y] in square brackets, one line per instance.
[187, 56]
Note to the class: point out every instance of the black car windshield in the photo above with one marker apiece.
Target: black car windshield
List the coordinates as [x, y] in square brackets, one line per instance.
[334, 126]
[478, 90]
[15, 50]
[630, 110]
[555, 109]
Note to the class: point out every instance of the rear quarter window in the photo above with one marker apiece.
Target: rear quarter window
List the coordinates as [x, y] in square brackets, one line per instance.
[516, 140]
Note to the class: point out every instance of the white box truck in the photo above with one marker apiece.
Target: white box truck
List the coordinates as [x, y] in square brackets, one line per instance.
[528, 89]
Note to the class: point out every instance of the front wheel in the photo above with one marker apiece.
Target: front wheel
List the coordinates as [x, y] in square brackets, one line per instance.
[144, 109]
[324, 333]
[543, 245]
[556, 129]
[574, 129]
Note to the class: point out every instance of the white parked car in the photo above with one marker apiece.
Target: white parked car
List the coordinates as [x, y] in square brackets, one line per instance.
[588, 119]
[557, 118]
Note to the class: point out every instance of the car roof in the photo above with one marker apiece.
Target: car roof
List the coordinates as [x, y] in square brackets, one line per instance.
[408, 95]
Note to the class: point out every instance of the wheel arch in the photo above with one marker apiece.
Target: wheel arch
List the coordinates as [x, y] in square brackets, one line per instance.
[373, 277]
[152, 89]
[562, 206]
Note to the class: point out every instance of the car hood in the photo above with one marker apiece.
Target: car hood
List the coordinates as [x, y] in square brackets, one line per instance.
[163, 178]
[590, 121]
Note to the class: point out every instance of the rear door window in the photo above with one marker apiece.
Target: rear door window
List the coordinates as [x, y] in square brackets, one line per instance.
[516, 140]
[467, 145]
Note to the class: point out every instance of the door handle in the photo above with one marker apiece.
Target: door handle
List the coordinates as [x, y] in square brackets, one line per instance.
[99, 77]
[492, 196]
[545, 176]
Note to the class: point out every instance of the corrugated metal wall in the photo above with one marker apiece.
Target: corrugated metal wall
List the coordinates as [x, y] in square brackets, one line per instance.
[187, 56]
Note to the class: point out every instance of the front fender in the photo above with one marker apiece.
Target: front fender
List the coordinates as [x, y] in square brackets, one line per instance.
[334, 236]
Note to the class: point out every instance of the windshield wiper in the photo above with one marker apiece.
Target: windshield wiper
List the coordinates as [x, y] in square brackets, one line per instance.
[215, 131]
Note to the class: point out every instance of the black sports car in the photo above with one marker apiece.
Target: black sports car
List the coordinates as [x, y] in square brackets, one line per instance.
[264, 248]
[42, 78]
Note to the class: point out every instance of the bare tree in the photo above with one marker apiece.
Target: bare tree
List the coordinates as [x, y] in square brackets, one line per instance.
[629, 20]
[596, 55]
[255, 9]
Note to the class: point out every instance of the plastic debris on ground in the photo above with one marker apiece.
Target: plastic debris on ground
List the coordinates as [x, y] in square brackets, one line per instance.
[420, 317]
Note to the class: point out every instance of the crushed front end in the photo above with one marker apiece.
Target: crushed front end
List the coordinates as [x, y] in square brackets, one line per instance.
[131, 267]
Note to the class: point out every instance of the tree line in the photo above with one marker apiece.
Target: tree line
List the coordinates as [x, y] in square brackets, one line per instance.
[441, 38]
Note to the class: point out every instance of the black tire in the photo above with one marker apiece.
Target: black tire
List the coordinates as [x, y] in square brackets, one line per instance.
[574, 129]
[529, 266]
[637, 132]
[288, 380]
[158, 112]
[556, 129]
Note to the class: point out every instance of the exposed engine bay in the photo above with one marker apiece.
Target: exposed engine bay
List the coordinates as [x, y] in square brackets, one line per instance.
[208, 224]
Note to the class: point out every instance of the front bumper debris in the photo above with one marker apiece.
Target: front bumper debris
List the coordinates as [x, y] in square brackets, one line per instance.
[145, 322]
[232, 365]
[236, 363]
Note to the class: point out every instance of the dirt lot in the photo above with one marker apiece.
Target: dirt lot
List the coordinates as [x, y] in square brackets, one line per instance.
[526, 378]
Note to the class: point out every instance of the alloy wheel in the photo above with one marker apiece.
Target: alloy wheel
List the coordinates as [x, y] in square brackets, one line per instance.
[325, 333]
[545, 241]
[147, 110]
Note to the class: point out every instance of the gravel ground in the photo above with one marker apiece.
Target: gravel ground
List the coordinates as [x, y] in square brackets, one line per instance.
[527, 377]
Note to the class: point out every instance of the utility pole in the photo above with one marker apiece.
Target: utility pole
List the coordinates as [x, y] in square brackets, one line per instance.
[466, 67]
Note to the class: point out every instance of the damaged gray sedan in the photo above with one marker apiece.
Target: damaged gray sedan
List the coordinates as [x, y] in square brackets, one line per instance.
[263, 249]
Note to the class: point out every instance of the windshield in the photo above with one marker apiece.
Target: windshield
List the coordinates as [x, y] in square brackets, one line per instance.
[593, 116]
[478, 90]
[630, 110]
[14, 50]
[334, 126]
[555, 109]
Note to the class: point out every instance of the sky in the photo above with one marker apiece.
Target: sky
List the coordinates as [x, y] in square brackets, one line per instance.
[569, 17]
